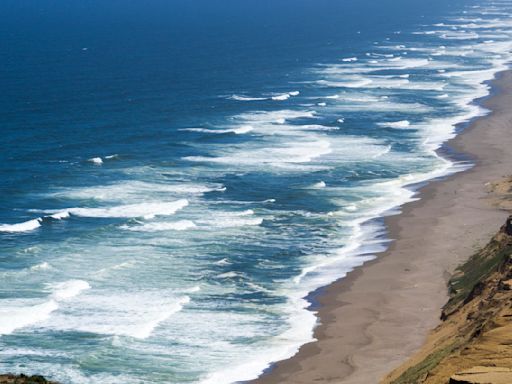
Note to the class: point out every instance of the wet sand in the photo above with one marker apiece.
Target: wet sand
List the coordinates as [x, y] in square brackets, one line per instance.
[380, 314]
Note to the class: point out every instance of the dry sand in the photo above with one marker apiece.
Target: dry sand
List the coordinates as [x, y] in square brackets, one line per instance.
[380, 314]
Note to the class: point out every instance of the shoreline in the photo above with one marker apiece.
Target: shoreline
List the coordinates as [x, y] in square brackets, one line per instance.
[376, 317]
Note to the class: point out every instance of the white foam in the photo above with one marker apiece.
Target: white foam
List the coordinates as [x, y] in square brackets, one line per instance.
[60, 215]
[258, 117]
[403, 63]
[21, 313]
[247, 212]
[315, 127]
[26, 226]
[458, 35]
[300, 323]
[135, 190]
[282, 97]
[17, 314]
[145, 210]
[243, 129]
[238, 131]
[228, 275]
[285, 96]
[246, 98]
[234, 222]
[68, 289]
[96, 160]
[224, 261]
[396, 124]
[224, 219]
[286, 153]
[133, 314]
[41, 267]
[319, 185]
[368, 103]
[181, 225]
[356, 83]
[395, 193]
[349, 59]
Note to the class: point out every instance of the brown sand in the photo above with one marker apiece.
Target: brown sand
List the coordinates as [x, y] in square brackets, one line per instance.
[380, 314]
[474, 343]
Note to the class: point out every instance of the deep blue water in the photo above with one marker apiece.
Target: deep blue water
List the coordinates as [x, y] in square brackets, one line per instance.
[176, 176]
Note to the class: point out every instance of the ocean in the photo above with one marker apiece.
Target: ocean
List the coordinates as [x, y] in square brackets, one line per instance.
[177, 176]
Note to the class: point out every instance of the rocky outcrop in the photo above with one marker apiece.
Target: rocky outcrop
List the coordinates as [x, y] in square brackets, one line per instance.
[508, 226]
[23, 379]
[483, 375]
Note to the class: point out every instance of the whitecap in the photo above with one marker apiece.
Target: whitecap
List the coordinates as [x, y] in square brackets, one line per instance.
[41, 267]
[133, 314]
[229, 275]
[357, 83]
[294, 152]
[243, 129]
[238, 131]
[246, 98]
[68, 289]
[16, 314]
[60, 215]
[26, 226]
[225, 219]
[233, 222]
[20, 313]
[284, 96]
[96, 160]
[134, 190]
[181, 225]
[319, 185]
[224, 261]
[396, 124]
[145, 210]
[194, 289]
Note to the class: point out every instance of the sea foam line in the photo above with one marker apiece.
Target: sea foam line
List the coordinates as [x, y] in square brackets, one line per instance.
[144, 210]
[17, 314]
[26, 226]
[400, 192]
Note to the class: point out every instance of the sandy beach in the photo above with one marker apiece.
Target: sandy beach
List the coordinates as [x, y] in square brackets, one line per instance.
[380, 314]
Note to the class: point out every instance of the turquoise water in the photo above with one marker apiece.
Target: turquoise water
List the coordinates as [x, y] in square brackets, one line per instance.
[178, 176]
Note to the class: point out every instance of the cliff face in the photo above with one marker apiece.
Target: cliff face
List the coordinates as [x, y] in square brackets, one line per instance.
[473, 344]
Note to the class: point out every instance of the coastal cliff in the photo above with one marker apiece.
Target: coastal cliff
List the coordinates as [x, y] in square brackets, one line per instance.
[473, 344]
